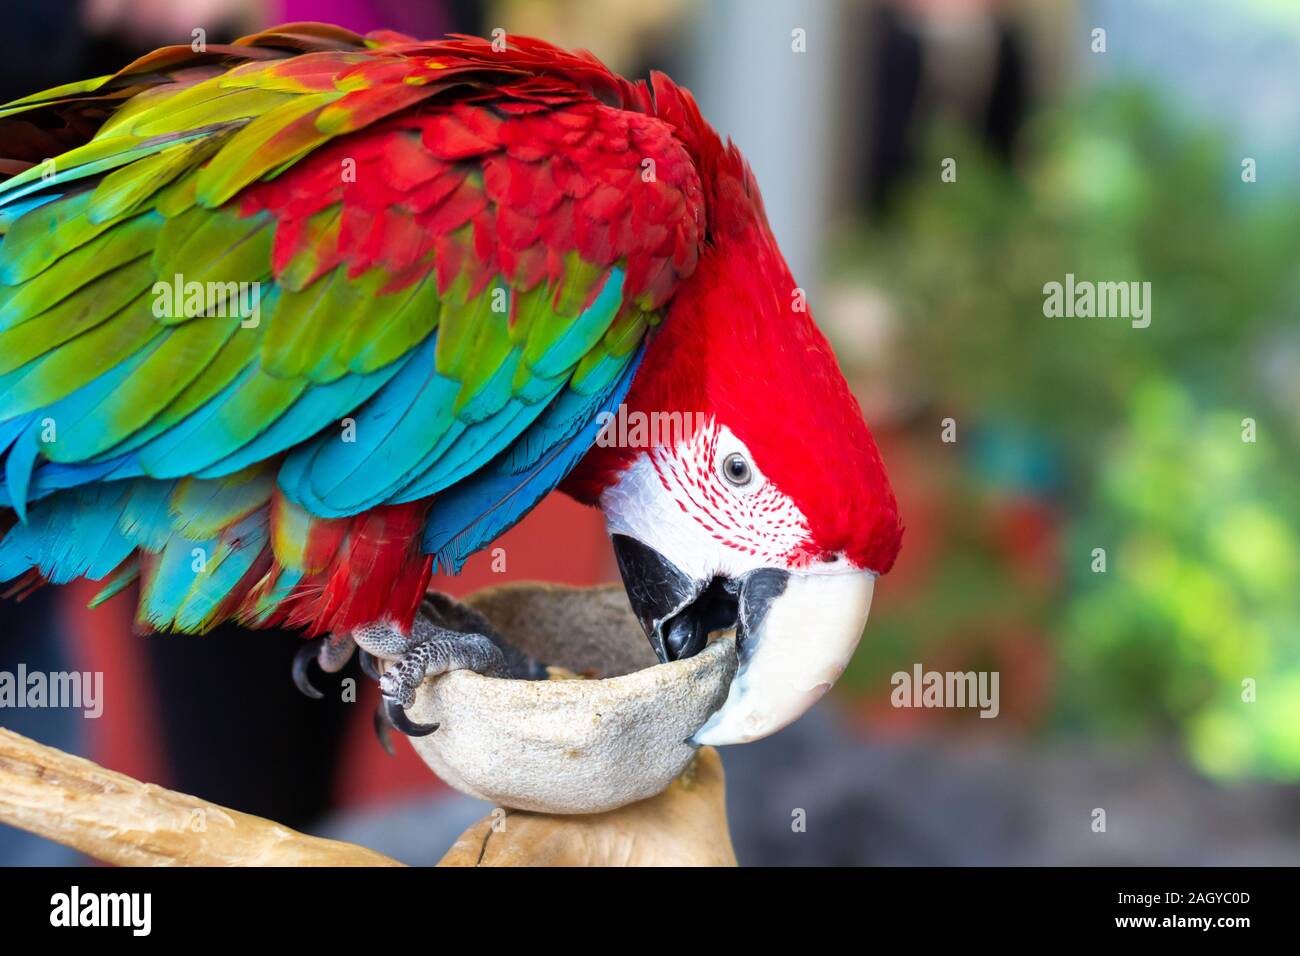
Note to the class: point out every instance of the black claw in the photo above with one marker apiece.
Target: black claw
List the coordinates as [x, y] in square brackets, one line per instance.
[301, 661]
[381, 731]
[368, 665]
[395, 716]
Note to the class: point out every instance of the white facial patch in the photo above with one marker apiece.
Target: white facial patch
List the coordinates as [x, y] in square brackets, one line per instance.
[680, 501]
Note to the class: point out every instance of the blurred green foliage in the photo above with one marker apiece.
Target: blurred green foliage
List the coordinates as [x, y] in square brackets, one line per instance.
[1145, 426]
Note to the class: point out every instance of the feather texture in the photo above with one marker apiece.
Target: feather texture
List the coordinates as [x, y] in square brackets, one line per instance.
[309, 309]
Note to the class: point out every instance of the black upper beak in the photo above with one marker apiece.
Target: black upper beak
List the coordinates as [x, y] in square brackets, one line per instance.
[677, 612]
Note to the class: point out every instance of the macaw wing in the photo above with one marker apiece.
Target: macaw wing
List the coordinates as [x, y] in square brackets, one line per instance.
[277, 311]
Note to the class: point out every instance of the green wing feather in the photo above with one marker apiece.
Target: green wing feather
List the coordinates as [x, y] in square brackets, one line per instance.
[226, 169]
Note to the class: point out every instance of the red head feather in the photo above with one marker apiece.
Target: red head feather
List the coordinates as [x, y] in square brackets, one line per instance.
[739, 345]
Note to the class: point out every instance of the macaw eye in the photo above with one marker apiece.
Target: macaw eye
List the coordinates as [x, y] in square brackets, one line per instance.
[736, 470]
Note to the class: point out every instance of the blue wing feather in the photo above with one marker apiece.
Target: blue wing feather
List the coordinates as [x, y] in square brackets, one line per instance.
[475, 511]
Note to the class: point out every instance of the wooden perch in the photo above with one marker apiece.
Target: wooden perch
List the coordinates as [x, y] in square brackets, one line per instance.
[686, 825]
[117, 819]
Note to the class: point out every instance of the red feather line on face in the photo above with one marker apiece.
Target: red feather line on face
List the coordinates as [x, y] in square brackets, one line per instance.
[767, 372]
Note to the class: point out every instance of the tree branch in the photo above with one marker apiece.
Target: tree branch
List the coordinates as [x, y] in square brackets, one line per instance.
[117, 819]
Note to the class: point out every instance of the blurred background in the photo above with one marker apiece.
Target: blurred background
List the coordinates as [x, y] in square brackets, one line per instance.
[927, 165]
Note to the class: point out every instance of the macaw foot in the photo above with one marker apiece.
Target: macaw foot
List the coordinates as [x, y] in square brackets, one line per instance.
[370, 665]
[330, 653]
[445, 636]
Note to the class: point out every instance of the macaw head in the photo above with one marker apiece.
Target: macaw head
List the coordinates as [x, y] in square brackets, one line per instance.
[740, 484]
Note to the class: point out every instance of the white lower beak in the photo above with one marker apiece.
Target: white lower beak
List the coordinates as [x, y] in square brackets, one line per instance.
[793, 646]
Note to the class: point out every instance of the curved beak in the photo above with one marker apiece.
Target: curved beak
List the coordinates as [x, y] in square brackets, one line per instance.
[795, 633]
